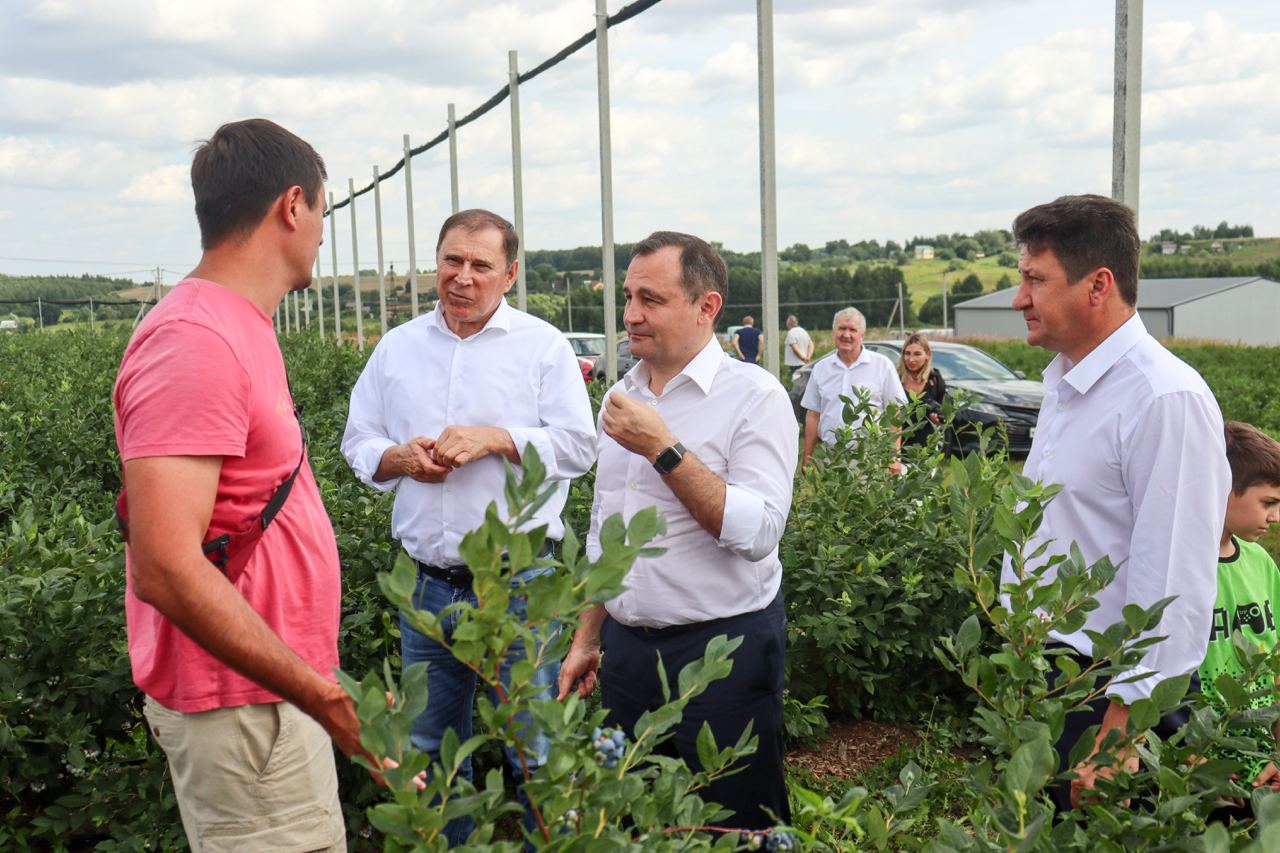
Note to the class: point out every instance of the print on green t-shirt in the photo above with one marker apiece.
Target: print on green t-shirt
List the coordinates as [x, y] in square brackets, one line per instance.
[1248, 597]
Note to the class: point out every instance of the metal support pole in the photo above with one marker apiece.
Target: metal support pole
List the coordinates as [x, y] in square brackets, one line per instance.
[768, 188]
[320, 296]
[453, 159]
[413, 252]
[40, 313]
[382, 275]
[945, 325]
[1126, 131]
[337, 296]
[306, 300]
[91, 313]
[355, 264]
[606, 193]
[902, 312]
[517, 176]
[283, 308]
[297, 310]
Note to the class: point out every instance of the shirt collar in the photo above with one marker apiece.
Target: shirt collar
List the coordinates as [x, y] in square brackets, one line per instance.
[501, 319]
[1094, 366]
[864, 355]
[701, 369]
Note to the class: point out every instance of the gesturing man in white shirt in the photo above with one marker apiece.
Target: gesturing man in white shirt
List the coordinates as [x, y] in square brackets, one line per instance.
[443, 400]
[711, 442]
[852, 367]
[1135, 438]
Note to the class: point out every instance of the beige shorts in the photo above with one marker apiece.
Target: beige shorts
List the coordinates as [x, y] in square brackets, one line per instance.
[251, 778]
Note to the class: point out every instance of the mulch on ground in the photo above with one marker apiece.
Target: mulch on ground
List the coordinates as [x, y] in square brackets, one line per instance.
[852, 746]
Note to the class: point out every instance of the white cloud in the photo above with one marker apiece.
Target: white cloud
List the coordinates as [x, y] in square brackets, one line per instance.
[165, 185]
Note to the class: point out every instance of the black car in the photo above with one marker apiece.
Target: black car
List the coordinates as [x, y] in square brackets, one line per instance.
[1000, 394]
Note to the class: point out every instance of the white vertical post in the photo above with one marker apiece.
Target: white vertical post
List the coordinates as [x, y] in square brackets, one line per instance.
[382, 276]
[945, 324]
[902, 312]
[283, 308]
[606, 192]
[355, 265]
[413, 252]
[306, 300]
[768, 187]
[1126, 132]
[453, 159]
[320, 295]
[40, 313]
[91, 313]
[337, 296]
[297, 310]
[517, 175]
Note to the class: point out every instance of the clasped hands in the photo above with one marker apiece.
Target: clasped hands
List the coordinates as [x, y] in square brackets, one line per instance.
[430, 460]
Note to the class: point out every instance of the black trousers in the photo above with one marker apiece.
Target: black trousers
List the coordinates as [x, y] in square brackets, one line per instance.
[752, 693]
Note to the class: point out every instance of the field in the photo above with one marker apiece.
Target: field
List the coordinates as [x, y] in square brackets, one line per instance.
[871, 585]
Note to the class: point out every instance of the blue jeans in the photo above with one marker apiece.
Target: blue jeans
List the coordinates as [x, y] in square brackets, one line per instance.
[451, 688]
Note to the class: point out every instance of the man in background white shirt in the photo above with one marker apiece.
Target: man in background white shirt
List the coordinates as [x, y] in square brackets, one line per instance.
[711, 442]
[442, 402]
[1135, 438]
[853, 366]
[797, 347]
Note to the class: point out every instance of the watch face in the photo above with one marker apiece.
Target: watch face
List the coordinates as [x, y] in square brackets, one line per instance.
[669, 458]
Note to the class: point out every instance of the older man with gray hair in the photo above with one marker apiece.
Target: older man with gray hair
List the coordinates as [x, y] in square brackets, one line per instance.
[854, 366]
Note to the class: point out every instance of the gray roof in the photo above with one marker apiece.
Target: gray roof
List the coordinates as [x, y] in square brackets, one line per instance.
[1152, 292]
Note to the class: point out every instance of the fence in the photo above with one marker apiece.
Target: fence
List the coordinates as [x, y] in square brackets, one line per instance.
[295, 311]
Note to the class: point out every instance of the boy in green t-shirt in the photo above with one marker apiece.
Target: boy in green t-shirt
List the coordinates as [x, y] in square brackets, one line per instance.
[1248, 579]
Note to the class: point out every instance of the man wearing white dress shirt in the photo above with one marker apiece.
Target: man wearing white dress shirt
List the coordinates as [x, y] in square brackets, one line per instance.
[711, 442]
[1135, 438]
[852, 367]
[442, 402]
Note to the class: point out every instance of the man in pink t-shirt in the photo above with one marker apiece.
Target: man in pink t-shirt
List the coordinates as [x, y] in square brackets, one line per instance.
[237, 666]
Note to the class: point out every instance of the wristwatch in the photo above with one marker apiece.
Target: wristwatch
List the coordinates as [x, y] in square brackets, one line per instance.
[668, 459]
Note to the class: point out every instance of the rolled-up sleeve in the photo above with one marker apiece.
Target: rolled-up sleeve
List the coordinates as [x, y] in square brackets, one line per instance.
[1176, 468]
[762, 465]
[565, 440]
[366, 437]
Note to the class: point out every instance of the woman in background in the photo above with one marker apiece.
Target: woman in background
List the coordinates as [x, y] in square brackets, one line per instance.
[923, 383]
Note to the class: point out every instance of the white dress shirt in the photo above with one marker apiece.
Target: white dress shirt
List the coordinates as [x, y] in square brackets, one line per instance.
[1135, 438]
[832, 378]
[737, 420]
[518, 372]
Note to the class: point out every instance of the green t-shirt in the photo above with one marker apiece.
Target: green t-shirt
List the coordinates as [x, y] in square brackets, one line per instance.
[1248, 598]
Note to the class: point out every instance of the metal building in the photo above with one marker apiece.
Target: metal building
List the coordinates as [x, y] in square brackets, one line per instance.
[1238, 309]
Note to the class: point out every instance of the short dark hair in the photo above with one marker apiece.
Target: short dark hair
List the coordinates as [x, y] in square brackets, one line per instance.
[1086, 232]
[239, 172]
[701, 267]
[1253, 455]
[477, 219]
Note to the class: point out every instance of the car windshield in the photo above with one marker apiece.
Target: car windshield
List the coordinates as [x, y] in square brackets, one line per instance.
[969, 364]
[588, 346]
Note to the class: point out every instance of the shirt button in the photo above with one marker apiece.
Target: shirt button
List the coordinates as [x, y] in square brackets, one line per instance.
[653, 402]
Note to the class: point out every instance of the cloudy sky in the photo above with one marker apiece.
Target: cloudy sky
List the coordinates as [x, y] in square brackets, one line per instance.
[894, 117]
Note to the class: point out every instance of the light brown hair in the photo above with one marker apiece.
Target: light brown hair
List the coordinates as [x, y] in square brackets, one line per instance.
[1253, 455]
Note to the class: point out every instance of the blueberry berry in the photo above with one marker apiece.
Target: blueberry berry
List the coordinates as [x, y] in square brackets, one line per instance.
[610, 744]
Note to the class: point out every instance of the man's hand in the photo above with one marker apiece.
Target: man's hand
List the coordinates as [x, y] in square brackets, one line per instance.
[459, 445]
[579, 669]
[337, 714]
[636, 426]
[414, 460]
[1088, 774]
[1269, 775]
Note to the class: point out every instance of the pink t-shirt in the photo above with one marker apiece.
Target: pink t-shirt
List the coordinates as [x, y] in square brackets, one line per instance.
[203, 376]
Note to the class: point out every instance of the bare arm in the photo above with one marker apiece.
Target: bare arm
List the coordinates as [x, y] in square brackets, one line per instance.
[737, 348]
[171, 500]
[641, 430]
[811, 422]
[583, 658]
